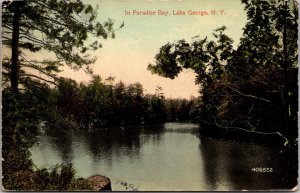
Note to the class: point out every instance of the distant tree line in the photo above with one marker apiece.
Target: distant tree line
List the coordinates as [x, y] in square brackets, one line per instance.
[182, 110]
[104, 103]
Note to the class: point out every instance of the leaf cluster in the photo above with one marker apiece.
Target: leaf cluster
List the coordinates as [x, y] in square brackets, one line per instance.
[244, 88]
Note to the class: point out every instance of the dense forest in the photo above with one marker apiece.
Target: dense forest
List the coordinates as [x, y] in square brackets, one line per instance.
[103, 103]
[245, 91]
[252, 88]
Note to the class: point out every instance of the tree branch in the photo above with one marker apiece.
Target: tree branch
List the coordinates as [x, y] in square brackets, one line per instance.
[247, 95]
[40, 70]
[243, 129]
[35, 40]
[59, 14]
[40, 78]
[33, 85]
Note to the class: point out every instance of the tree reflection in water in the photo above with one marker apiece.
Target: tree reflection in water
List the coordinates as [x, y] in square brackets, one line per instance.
[105, 142]
[228, 166]
[166, 157]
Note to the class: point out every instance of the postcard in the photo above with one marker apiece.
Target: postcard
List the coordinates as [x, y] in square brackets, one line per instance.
[149, 95]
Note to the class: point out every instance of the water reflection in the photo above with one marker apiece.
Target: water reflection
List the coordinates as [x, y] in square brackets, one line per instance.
[169, 157]
[63, 144]
[228, 166]
[104, 143]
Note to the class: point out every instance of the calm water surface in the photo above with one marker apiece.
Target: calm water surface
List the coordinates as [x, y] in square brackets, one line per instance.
[168, 157]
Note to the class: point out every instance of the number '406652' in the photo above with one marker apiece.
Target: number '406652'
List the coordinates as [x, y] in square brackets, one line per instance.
[262, 169]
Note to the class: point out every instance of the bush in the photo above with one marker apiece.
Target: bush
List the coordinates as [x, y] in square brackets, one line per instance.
[59, 178]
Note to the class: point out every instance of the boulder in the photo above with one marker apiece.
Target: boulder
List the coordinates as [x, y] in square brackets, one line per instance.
[100, 183]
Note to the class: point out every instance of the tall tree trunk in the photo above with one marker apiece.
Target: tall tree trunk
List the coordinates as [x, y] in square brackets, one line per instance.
[15, 65]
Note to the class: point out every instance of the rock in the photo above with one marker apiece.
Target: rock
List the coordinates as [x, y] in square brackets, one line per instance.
[100, 183]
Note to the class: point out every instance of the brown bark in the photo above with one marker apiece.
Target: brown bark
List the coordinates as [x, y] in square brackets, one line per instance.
[15, 63]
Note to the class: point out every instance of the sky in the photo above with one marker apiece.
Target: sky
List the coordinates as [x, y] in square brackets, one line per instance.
[127, 56]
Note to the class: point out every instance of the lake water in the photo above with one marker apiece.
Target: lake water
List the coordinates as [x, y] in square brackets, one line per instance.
[168, 157]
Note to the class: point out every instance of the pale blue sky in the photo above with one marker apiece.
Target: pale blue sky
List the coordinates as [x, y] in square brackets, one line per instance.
[126, 57]
[135, 46]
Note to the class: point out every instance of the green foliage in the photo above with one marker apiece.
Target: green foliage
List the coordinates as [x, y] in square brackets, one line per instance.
[155, 112]
[22, 113]
[58, 26]
[106, 104]
[253, 87]
[19, 131]
[206, 58]
[68, 29]
[166, 63]
[65, 29]
[59, 178]
[182, 110]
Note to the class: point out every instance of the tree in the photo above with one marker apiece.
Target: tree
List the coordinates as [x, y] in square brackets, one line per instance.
[269, 54]
[135, 104]
[181, 110]
[206, 58]
[32, 29]
[155, 112]
[60, 27]
[247, 88]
